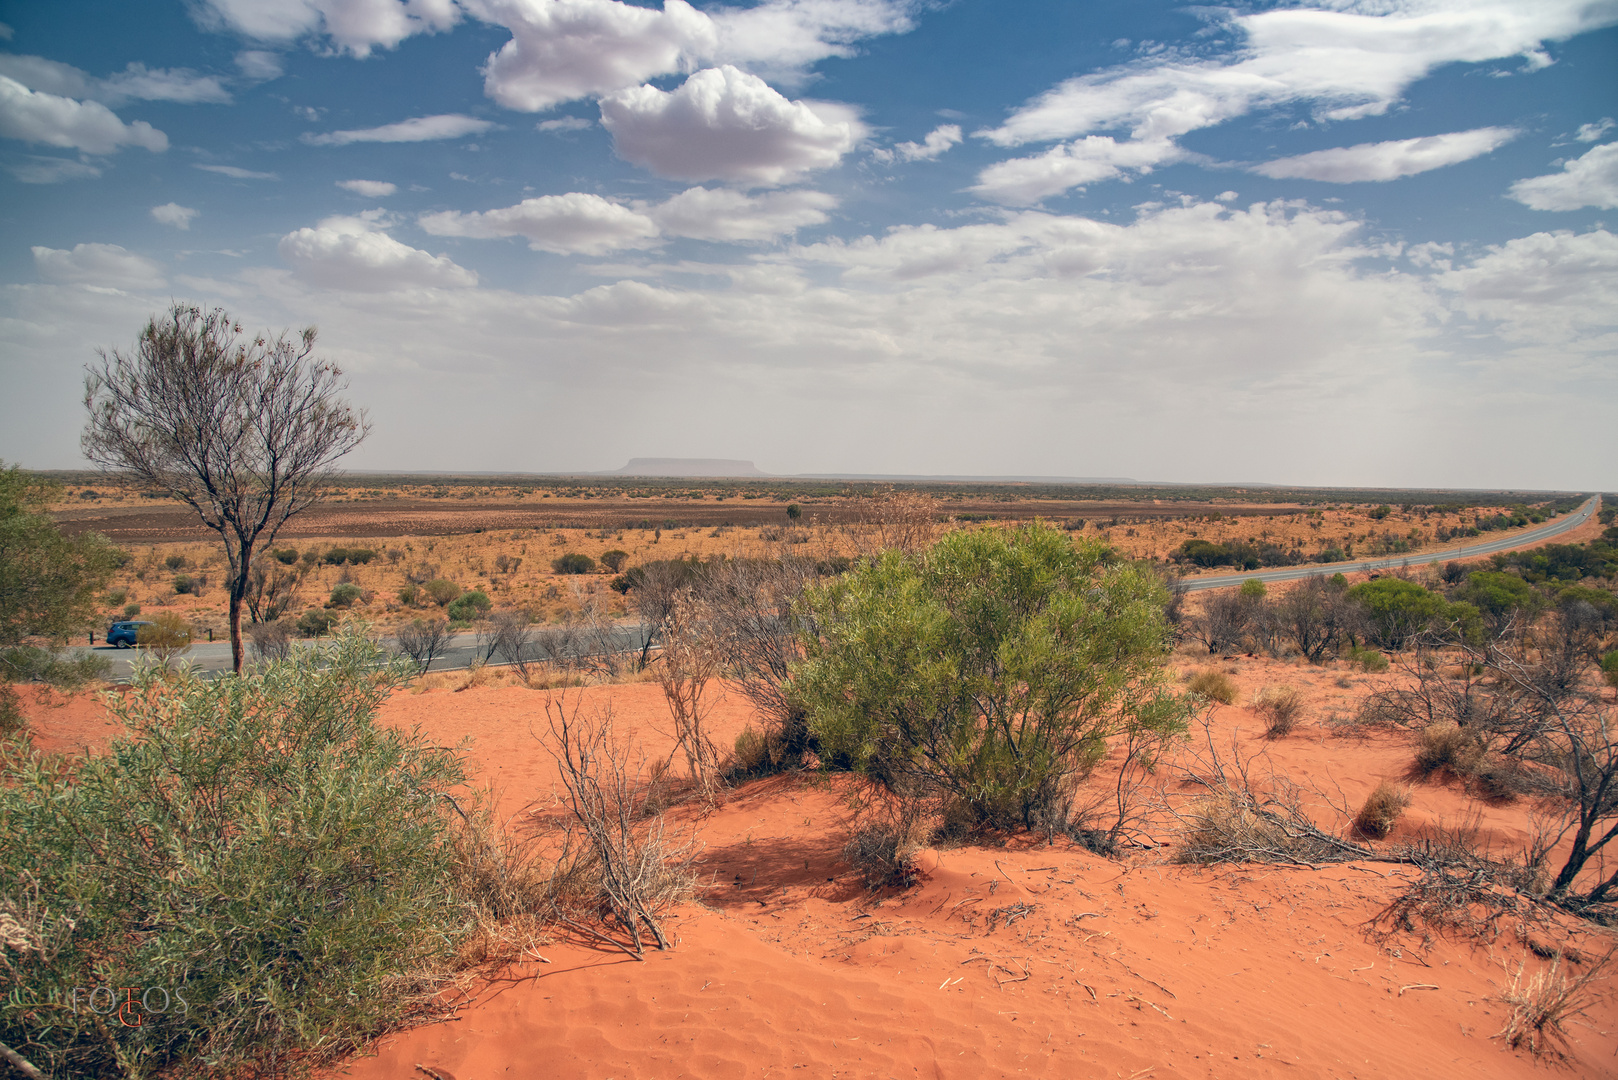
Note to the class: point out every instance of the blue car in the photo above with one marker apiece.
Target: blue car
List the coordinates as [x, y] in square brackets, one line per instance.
[123, 634]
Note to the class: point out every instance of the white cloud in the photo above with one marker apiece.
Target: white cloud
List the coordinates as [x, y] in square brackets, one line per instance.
[1388, 160]
[565, 123]
[724, 124]
[1591, 180]
[371, 189]
[1553, 293]
[1592, 132]
[236, 172]
[416, 129]
[938, 140]
[724, 215]
[48, 170]
[135, 82]
[1021, 181]
[571, 224]
[1354, 60]
[563, 50]
[259, 65]
[354, 254]
[39, 117]
[173, 214]
[104, 265]
[354, 26]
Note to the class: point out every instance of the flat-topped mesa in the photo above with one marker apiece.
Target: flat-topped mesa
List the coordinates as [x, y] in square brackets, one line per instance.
[707, 467]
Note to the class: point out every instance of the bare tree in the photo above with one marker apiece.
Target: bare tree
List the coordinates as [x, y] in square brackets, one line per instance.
[271, 641]
[1317, 616]
[424, 640]
[689, 664]
[509, 634]
[271, 592]
[246, 433]
[891, 519]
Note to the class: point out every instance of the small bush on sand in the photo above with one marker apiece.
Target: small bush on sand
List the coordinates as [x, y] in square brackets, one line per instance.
[299, 898]
[1446, 747]
[1609, 668]
[469, 606]
[1542, 1006]
[270, 641]
[1381, 810]
[1370, 661]
[345, 594]
[1279, 708]
[1213, 685]
[882, 852]
[441, 591]
[315, 622]
[573, 562]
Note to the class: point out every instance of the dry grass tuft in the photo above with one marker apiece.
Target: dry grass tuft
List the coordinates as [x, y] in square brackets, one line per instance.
[1214, 685]
[1279, 707]
[1234, 825]
[1446, 747]
[1542, 1007]
[1381, 810]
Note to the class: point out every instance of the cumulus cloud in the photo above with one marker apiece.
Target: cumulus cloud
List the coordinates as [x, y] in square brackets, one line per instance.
[1591, 180]
[259, 65]
[105, 265]
[371, 189]
[563, 50]
[1550, 289]
[416, 129]
[725, 215]
[1388, 160]
[724, 124]
[1021, 181]
[135, 82]
[1354, 59]
[938, 140]
[173, 214]
[355, 254]
[52, 120]
[354, 26]
[571, 224]
[236, 172]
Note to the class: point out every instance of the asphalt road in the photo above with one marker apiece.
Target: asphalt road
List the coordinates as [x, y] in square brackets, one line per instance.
[214, 656]
[1555, 527]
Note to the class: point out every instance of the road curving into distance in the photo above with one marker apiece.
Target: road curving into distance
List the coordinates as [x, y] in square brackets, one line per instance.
[214, 657]
[1565, 523]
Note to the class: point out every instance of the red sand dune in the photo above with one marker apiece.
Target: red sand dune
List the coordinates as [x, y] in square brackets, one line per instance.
[1027, 959]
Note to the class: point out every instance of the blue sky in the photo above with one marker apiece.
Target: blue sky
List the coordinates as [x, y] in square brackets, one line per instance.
[1357, 242]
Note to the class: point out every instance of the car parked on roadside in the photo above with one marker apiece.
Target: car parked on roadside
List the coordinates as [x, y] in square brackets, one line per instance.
[123, 634]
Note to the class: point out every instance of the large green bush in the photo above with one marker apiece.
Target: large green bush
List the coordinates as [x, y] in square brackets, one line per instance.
[1396, 611]
[469, 606]
[991, 670]
[257, 846]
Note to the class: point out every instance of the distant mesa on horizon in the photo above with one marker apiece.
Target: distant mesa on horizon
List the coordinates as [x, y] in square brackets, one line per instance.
[694, 467]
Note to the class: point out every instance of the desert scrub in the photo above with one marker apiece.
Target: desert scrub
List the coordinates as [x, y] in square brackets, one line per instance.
[1279, 707]
[1381, 810]
[1214, 685]
[257, 845]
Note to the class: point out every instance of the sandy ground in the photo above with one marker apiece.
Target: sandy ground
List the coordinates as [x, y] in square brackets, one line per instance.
[1014, 959]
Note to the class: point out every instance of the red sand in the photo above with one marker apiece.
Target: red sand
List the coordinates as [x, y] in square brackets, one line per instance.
[1022, 960]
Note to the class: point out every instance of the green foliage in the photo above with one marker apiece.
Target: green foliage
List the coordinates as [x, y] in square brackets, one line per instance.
[442, 591]
[574, 562]
[1370, 661]
[186, 584]
[469, 606]
[1397, 610]
[409, 593]
[1609, 667]
[27, 663]
[48, 582]
[1213, 685]
[794, 511]
[176, 562]
[1500, 598]
[1564, 562]
[991, 669]
[1253, 589]
[614, 560]
[167, 634]
[315, 622]
[285, 556]
[1380, 512]
[258, 847]
[131, 610]
[344, 594]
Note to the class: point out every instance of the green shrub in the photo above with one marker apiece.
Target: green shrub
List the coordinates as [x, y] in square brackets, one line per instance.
[337, 556]
[1609, 668]
[175, 562]
[1214, 685]
[1370, 661]
[469, 606]
[285, 556]
[315, 622]
[344, 594]
[297, 897]
[117, 596]
[573, 562]
[360, 556]
[185, 583]
[409, 594]
[614, 560]
[441, 591]
[990, 671]
[131, 610]
[1397, 610]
